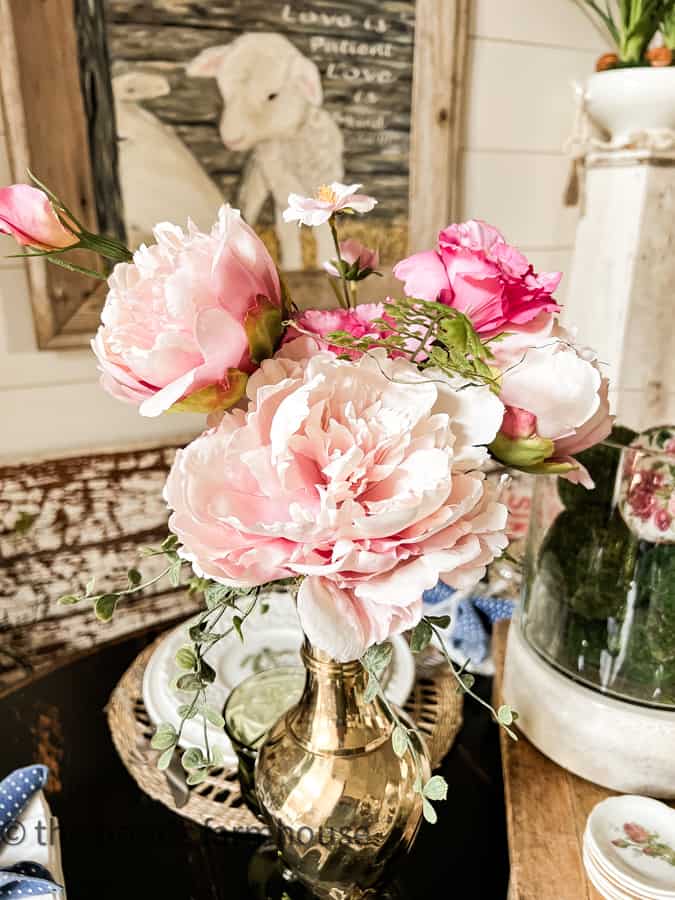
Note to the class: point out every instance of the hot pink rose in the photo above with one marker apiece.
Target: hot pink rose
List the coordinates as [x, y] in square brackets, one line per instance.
[475, 271]
[556, 403]
[189, 318]
[27, 214]
[364, 477]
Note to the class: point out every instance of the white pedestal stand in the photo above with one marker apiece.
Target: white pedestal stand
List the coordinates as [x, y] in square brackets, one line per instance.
[621, 292]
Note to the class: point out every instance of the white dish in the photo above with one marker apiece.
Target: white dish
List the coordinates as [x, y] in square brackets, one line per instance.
[592, 859]
[627, 835]
[271, 639]
[606, 888]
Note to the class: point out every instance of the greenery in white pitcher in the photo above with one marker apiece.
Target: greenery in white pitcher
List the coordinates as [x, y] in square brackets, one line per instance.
[632, 24]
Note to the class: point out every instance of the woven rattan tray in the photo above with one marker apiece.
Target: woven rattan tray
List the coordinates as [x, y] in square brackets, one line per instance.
[434, 705]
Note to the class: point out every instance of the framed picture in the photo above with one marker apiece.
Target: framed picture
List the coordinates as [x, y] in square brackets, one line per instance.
[140, 111]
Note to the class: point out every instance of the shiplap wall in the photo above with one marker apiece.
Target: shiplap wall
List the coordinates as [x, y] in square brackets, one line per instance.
[524, 56]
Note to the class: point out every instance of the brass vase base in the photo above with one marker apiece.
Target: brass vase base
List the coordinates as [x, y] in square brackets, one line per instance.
[269, 879]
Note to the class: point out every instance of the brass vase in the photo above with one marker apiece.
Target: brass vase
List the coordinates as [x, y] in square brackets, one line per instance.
[340, 804]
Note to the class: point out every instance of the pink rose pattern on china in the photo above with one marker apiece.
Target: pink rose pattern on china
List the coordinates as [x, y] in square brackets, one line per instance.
[647, 499]
[639, 838]
[363, 476]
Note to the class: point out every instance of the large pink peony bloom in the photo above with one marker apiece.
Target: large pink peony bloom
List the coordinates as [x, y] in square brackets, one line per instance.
[556, 402]
[475, 271]
[362, 476]
[189, 318]
[27, 214]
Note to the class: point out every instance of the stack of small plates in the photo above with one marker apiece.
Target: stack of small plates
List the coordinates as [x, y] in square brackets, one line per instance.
[629, 849]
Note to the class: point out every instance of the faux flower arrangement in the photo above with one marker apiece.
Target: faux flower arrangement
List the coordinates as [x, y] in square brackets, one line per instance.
[346, 450]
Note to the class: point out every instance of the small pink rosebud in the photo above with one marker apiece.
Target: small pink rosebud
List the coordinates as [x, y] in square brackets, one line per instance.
[518, 423]
[27, 214]
[358, 258]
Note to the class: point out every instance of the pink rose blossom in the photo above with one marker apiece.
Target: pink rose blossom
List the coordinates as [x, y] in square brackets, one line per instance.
[475, 271]
[662, 519]
[636, 832]
[27, 214]
[363, 476]
[353, 251]
[556, 402]
[329, 199]
[320, 322]
[193, 311]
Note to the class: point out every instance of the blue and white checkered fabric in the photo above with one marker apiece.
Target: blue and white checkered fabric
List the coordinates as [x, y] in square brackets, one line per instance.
[24, 879]
[467, 631]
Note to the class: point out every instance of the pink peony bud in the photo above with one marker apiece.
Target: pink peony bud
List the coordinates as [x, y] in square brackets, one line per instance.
[27, 214]
[362, 260]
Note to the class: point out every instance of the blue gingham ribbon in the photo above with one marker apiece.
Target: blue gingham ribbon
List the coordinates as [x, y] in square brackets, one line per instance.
[467, 631]
[24, 879]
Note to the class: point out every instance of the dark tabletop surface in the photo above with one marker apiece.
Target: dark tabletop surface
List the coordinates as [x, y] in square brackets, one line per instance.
[118, 843]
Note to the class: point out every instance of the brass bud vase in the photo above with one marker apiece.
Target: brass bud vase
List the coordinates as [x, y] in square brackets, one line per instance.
[340, 804]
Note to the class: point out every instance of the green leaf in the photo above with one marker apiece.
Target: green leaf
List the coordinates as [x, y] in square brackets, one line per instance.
[223, 395]
[174, 573]
[104, 607]
[436, 788]
[438, 621]
[196, 777]
[206, 672]
[218, 756]
[421, 636]
[186, 658]
[69, 600]
[189, 682]
[263, 327]
[164, 760]
[399, 739]
[170, 542]
[236, 624]
[505, 715]
[135, 577]
[371, 690]
[215, 594]
[188, 710]
[91, 584]
[468, 682]
[429, 812]
[376, 659]
[164, 737]
[193, 758]
[213, 716]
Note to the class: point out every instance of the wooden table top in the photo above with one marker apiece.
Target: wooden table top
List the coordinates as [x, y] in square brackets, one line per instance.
[546, 812]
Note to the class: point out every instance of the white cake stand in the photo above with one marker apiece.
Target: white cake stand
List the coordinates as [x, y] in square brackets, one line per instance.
[619, 745]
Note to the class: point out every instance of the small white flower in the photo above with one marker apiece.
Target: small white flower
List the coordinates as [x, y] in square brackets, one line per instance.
[329, 199]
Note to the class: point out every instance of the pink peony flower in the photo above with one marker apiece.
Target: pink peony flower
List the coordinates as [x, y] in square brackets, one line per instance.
[320, 322]
[364, 477]
[330, 199]
[662, 520]
[475, 271]
[27, 214]
[556, 403]
[193, 314]
[353, 252]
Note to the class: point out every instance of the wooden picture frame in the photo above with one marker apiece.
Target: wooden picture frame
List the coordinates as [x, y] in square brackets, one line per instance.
[43, 83]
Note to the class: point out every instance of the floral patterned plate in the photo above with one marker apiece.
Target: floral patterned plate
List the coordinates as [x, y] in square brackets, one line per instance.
[647, 485]
[633, 839]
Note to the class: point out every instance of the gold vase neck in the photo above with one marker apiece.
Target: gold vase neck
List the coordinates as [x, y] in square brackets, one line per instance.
[332, 717]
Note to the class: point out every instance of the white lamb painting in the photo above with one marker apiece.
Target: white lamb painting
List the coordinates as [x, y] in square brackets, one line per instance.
[160, 179]
[273, 99]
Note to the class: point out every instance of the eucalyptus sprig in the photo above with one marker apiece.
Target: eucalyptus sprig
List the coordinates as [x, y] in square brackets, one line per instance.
[404, 739]
[430, 335]
[105, 603]
[196, 676]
